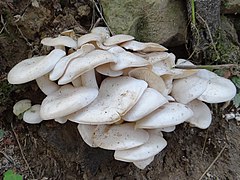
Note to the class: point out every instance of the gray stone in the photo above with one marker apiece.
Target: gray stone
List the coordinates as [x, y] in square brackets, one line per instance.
[160, 21]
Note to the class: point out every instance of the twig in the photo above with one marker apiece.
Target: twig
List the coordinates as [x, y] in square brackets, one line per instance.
[4, 25]
[10, 159]
[29, 44]
[213, 162]
[204, 66]
[20, 147]
[204, 144]
[210, 35]
[101, 15]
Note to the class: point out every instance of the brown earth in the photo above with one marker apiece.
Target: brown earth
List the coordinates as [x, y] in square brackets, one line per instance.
[55, 151]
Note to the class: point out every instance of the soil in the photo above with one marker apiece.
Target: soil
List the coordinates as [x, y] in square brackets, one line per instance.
[54, 151]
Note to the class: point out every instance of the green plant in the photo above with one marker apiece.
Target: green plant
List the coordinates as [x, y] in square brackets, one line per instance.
[1, 133]
[11, 175]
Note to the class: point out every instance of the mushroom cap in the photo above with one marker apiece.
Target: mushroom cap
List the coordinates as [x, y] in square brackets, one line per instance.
[21, 106]
[102, 31]
[168, 129]
[66, 100]
[46, 86]
[153, 146]
[106, 70]
[218, 90]
[164, 66]
[125, 59]
[150, 77]
[182, 73]
[117, 39]
[59, 41]
[157, 131]
[184, 62]
[148, 102]
[119, 137]
[141, 164]
[116, 97]
[83, 64]
[61, 65]
[144, 47]
[34, 67]
[32, 115]
[61, 120]
[170, 114]
[87, 38]
[154, 57]
[202, 117]
[87, 131]
[189, 88]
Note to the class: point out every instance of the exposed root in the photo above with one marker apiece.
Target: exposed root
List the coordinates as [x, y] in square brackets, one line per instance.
[205, 172]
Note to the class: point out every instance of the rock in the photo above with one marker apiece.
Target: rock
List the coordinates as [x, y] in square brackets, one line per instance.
[231, 6]
[160, 21]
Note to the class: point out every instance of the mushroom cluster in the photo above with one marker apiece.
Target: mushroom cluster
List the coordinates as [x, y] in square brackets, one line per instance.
[122, 93]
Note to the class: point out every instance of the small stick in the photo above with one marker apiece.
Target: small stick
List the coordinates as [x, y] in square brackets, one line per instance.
[204, 66]
[204, 144]
[23, 156]
[102, 17]
[205, 172]
[10, 159]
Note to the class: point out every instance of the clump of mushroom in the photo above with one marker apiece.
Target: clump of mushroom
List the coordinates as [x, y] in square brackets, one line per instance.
[122, 93]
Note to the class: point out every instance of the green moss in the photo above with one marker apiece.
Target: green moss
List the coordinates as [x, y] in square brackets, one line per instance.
[227, 51]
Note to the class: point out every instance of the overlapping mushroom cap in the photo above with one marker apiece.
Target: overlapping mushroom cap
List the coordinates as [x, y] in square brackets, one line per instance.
[122, 93]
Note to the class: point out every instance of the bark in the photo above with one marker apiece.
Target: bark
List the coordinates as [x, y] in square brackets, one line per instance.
[204, 31]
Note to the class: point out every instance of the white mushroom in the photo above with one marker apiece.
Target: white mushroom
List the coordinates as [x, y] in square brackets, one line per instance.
[61, 120]
[87, 131]
[21, 106]
[164, 66]
[106, 70]
[83, 64]
[32, 115]
[61, 65]
[202, 117]
[148, 102]
[189, 88]
[46, 86]
[153, 146]
[34, 67]
[88, 38]
[117, 39]
[77, 82]
[154, 57]
[97, 36]
[66, 100]
[143, 47]
[218, 90]
[170, 114]
[141, 164]
[102, 31]
[116, 97]
[60, 41]
[125, 59]
[119, 137]
[89, 79]
[150, 77]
